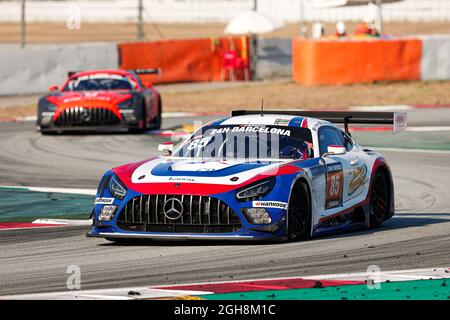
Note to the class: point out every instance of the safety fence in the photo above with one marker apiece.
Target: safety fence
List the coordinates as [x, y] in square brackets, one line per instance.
[198, 11]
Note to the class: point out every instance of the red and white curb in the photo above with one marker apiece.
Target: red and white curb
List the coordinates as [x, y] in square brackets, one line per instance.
[43, 223]
[6, 226]
[191, 290]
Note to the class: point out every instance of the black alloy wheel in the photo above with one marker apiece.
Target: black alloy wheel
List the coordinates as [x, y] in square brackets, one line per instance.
[299, 213]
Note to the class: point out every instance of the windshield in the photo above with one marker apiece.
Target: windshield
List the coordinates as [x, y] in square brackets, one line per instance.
[247, 142]
[97, 82]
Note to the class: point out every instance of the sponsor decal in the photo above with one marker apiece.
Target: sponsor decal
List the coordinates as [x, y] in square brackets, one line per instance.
[258, 129]
[281, 122]
[104, 200]
[358, 179]
[183, 179]
[270, 204]
[400, 122]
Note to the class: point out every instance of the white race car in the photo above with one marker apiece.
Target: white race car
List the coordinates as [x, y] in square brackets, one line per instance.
[273, 176]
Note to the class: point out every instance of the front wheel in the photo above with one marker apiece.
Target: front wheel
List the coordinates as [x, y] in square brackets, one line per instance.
[379, 200]
[121, 241]
[299, 213]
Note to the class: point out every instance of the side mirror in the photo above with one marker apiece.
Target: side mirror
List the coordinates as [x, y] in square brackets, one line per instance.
[336, 150]
[166, 147]
[53, 88]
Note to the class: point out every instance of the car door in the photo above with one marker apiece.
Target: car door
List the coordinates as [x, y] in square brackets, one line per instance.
[337, 167]
[357, 174]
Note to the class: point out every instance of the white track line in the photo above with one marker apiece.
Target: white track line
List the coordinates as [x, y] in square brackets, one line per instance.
[382, 108]
[409, 150]
[428, 129]
[68, 222]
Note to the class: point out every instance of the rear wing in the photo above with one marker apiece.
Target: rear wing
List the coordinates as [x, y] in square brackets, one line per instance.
[137, 71]
[398, 120]
[147, 71]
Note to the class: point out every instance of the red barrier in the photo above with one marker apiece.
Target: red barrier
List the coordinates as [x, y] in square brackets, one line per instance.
[316, 62]
[184, 60]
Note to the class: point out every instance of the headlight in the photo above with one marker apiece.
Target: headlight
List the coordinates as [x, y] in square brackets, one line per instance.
[51, 107]
[48, 105]
[256, 191]
[116, 188]
[127, 104]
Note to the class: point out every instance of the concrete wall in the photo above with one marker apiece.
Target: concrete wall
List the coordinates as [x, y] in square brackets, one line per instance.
[274, 58]
[35, 68]
[435, 64]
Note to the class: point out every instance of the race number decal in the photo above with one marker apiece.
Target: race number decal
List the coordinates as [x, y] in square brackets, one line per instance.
[335, 180]
[198, 143]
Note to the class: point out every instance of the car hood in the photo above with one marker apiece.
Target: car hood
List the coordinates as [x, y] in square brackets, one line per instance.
[74, 98]
[192, 169]
[188, 176]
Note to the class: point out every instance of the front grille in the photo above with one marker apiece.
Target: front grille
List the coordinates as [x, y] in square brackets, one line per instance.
[199, 214]
[85, 116]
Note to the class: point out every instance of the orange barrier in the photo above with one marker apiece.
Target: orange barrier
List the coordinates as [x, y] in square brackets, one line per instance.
[316, 62]
[183, 60]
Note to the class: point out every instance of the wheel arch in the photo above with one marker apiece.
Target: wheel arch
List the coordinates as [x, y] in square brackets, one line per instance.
[302, 177]
[381, 165]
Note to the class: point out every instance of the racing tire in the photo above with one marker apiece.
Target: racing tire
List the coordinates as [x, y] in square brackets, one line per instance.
[120, 241]
[49, 132]
[379, 199]
[299, 213]
[156, 123]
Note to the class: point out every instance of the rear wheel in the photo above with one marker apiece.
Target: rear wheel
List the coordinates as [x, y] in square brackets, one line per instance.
[379, 199]
[299, 213]
[156, 123]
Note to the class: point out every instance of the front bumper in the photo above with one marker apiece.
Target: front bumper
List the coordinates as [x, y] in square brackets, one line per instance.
[112, 128]
[270, 232]
[218, 216]
[45, 123]
[183, 237]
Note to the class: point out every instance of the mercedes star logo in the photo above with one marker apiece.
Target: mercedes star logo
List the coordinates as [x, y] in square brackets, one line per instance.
[173, 209]
[85, 115]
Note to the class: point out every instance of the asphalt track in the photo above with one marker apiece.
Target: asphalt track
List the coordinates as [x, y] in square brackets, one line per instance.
[37, 260]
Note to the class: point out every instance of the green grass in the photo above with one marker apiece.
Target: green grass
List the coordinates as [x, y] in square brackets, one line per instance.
[22, 205]
[405, 290]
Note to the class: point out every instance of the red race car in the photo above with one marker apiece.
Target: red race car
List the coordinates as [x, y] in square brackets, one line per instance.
[101, 100]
